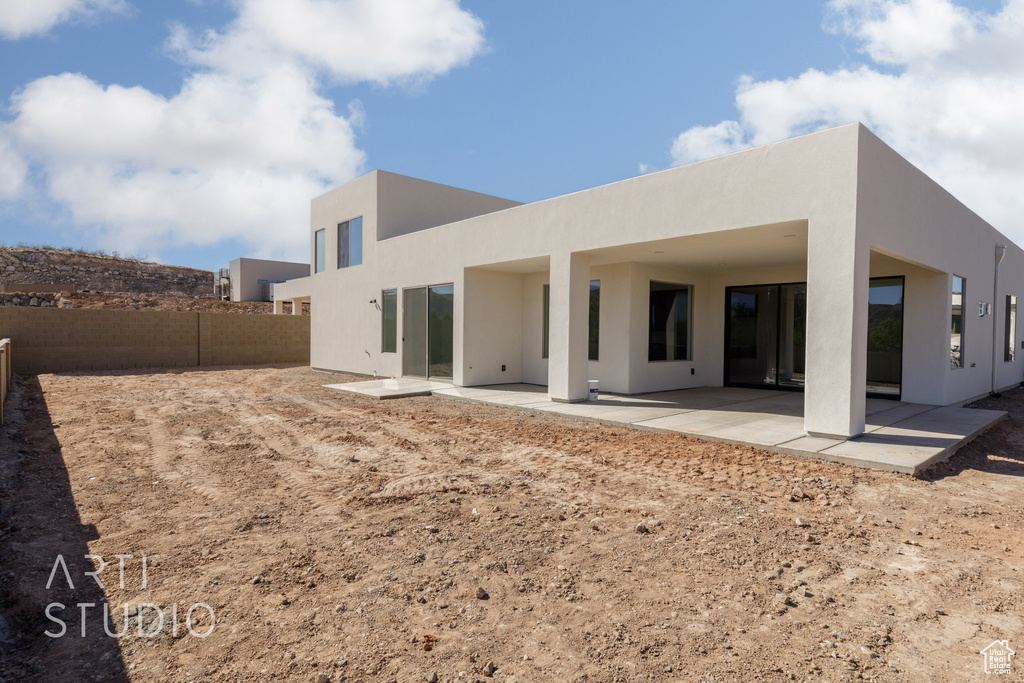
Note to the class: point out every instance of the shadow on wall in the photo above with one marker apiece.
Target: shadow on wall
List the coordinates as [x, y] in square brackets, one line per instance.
[38, 523]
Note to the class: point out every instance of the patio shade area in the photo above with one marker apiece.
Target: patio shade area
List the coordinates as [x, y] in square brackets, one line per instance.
[898, 436]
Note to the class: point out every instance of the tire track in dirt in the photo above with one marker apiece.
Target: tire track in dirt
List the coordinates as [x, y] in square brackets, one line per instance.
[329, 516]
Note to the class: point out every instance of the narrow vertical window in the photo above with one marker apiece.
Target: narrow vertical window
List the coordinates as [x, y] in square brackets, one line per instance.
[669, 322]
[355, 244]
[389, 321]
[343, 250]
[319, 245]
[956, 338]
[1010, 329]
[594, 322]
[547, 321]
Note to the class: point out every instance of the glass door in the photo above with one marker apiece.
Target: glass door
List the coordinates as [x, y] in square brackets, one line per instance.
[428, 317]
[752, 321]
[766, 333]
[792, 334]
[885, 337]
[766, 336]
[414, 332]
[440, 330]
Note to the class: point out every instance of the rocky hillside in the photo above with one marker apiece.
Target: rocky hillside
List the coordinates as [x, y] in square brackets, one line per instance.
[99, 273]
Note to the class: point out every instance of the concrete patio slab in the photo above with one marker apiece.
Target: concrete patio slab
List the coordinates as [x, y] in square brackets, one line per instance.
[895, 413]
[698, 421]
[402, 387]
[766, 432]
[514, 395]
[880, 405]
[806, 444]
[899, 437]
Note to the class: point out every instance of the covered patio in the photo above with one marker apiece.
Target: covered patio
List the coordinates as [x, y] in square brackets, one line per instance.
[898, 436]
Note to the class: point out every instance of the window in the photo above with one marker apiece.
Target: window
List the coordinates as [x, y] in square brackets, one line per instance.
[956, 338]
[1010, 329]
[350, 243]
[594, 321]
[319, 246]
[547, 321]
[389, 321]
[885, 337]
[669, 322]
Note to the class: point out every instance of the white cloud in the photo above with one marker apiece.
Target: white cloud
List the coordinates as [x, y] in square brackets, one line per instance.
[353, 40]
[13, 170]
[239, 151]
[704, 142]
[942, 85]
[23, 18]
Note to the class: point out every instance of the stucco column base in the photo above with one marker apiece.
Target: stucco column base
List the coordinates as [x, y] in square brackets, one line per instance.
[567, 400]
[279, 307]
[296, 307]
[570, 316]
[838, 437]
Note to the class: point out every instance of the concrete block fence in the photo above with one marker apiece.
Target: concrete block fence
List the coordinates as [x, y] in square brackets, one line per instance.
[63, 340]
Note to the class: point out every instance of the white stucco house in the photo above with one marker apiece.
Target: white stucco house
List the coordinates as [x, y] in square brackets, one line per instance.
[826, 264]
[250, 279]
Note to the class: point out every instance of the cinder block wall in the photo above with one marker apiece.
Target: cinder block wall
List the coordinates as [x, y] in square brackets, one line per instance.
[252, 339]
[61, 340]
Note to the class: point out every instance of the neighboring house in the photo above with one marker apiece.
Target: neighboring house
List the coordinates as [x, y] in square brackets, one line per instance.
[251, 278]
[825, 264]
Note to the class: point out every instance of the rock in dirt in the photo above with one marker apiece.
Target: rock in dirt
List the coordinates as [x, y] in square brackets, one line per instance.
[641, 527]
[481, 594]
[801, 522]
[595, 523]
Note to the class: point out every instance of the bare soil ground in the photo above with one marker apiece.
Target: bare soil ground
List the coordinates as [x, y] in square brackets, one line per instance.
[172, 302]
[339, 538]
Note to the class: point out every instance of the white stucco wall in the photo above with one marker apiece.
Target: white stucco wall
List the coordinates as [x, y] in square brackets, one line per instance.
[495, 338]
[247, 272]
[854, 209]
[904, 213]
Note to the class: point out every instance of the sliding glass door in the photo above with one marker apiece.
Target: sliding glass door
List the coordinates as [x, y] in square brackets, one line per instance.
[414, 332]
[766, 329]
[440, 330]
[428, 315]
[766, 336]
[885, 337]
[751, 337]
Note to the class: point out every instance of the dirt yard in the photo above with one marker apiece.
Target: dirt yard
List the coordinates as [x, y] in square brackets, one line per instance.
[338, 538]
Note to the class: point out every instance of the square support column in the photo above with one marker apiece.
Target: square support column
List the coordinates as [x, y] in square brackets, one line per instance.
[570, 317]
[296, 306]
[278, 306]
[837, 331]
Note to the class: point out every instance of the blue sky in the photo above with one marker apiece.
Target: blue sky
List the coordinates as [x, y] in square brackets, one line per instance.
[197, 131]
